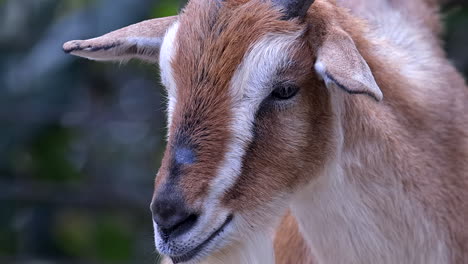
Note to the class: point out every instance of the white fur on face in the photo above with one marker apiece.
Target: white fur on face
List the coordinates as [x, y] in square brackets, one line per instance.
[250, 85]
[165, 59]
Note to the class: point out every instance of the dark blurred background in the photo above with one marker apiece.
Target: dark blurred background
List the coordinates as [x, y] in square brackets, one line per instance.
[80, 141]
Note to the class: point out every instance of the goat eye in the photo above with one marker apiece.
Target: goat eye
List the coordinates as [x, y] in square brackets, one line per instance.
[284, 92]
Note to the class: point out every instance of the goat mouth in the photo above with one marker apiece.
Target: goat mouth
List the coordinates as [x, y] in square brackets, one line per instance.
[198, 249]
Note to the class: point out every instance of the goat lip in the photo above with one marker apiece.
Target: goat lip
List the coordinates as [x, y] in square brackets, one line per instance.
[198, 249]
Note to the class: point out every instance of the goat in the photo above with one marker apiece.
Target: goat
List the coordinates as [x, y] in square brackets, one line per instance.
[345, 113]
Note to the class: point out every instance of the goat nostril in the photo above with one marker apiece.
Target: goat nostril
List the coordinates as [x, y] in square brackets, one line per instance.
[178, 228]
[170, 213]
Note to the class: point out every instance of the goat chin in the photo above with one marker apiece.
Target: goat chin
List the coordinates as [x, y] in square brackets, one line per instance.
[255, 249]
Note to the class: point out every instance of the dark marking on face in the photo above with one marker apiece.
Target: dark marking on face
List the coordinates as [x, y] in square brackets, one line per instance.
[175, 171]
[184, 156]
[294, 8]
[171, 213]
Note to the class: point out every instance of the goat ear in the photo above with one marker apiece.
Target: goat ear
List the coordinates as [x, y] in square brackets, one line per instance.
[142, 41]
[340, 63]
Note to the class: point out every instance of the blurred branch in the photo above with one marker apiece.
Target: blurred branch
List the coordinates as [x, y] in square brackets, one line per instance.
[89, 197]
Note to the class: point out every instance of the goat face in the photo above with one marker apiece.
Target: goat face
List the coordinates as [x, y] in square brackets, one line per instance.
[250, 116]
[247, 119]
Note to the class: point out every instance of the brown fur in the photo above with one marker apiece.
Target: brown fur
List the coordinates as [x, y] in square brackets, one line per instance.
[426, 145]
[407, 156]
[203, 112]
[290, 247]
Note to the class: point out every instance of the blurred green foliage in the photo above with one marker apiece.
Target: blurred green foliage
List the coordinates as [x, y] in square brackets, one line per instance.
[163, 8]
[80, 141]
[48, 160]
[456, 37]
[105, 238]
